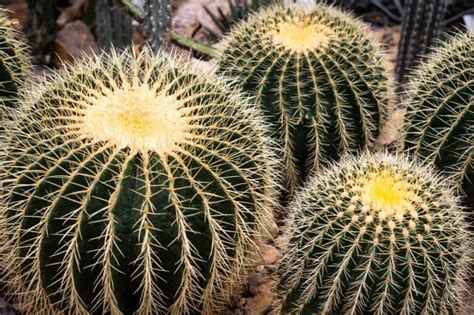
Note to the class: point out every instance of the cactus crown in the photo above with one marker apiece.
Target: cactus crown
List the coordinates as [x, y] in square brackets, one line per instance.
[15, 63]
[317, 76]
[386, 191]
[375, 234]
[129, 117]
[301, 34]
[136, 185]
[439, 124]
[301, 30]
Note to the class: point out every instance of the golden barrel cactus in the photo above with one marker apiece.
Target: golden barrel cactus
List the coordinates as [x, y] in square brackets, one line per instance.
[132, 184]
[439, 124]
[375, 234]
[317, 76]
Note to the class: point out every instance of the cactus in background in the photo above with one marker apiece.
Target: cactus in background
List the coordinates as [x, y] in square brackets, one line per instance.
[158, 22]
[238, 11]
[375, 234]
[132, 185]
[14, 62]
[347, 4]
[113, 24]
[318, 78]
[439, 125]
[422, 26]
[42, 28]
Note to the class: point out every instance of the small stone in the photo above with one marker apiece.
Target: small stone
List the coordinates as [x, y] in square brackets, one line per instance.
[274, 230]
[18, 10]
[73, 42]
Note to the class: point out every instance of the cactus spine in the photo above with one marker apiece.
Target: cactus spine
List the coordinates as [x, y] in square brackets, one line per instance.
[14, 62]
[439, 126]
[318, 78]
[375, 234]
[158, 22]
[132, 185]
[422, 26]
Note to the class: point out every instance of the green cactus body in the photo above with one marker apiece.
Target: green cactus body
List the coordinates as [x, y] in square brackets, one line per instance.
[132, 185]
[158, 22]
[375, 234]
[14, 63]
[113, 24]
[317, 76]
[439, 126]
[41, 27]
[422, 27]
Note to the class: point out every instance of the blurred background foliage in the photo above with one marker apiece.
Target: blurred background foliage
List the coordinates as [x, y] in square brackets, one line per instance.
[65, 30]
[123, 22]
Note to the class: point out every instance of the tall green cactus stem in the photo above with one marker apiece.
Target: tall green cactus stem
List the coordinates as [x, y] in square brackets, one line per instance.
[158, 22]
[439, 125]
[14, 63]
[132, 185]
[113, 24]
[422, 26]
[375, 234]
[318, 78]
[42, 27]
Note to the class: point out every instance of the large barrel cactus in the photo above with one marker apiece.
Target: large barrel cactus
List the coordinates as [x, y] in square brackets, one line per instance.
[132, 185]
[439, 126]
[317, 76]
[375, 234]
[14, 62]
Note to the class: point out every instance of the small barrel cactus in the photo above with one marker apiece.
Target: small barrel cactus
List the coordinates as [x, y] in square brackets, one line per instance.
[14, 62]
[375, 234]
[439, 126]
[132, 185]
[317, 76]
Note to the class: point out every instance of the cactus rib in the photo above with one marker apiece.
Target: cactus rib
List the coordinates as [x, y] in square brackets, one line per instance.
[422, 26]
